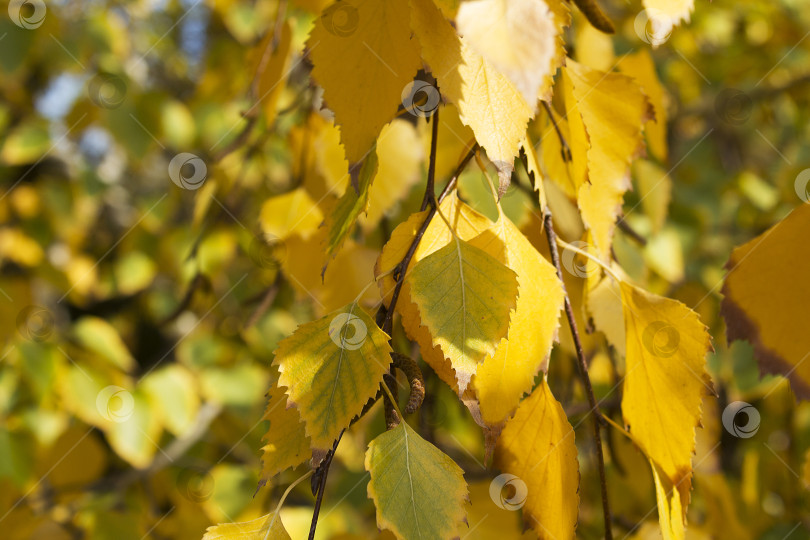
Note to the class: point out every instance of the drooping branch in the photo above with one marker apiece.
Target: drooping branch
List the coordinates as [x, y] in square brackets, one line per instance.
[598, 420]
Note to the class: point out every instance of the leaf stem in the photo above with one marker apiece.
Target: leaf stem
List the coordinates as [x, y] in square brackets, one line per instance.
[565, 150]
[617, 426]
[598, 419]
[284, 497]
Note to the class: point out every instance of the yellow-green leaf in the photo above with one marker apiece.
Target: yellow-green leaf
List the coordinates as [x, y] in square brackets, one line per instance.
[419, 491]
[665, 381]
[516, 37]
[342, 218]
[487, 101]
[363, 56]
[286, 442]
[267, 527]
[467, 223]
[503, 378]
[271, 70]
[766, 298]
[331, 368]
[537, 447]
[464, 298]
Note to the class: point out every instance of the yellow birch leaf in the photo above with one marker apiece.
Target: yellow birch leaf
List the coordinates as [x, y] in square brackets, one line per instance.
[614, 131]
[331, 368]
[665, 380]
[640, 66]
[663, 16]
[286, 443]
[400, 156]
[516, 37]
[573, 174]
[766, 297]
[655, 191]
[594, 48]
[537, 447]
[606, 309]
[418, 490]
[272, 70]
[363, 55]
[267, 527]
[671, 510]
[340, 221]
[503, 378]
[291, 213]
[464, 298]
[487, 101]
[467, 223]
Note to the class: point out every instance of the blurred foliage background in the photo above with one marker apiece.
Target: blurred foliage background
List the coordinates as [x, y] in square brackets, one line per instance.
[138, 318]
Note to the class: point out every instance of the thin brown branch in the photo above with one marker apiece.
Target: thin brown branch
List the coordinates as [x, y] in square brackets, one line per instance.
[598, 421]
[430, 189]
[565, 150]
[631, 232]
[319, 484]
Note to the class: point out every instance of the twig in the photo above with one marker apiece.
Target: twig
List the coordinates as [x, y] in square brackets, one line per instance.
[321, 474]
[598, 420]
[631, 232]
[430, 189]
[267, 300]
[565, 150]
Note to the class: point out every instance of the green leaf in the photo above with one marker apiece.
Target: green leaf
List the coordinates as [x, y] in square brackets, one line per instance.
[342, 219]
[331, 368]
[419, 491]
[464, 298]
[100, 337]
